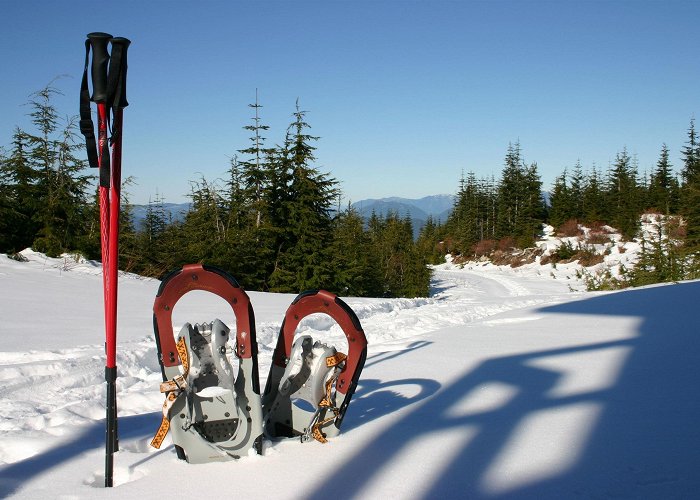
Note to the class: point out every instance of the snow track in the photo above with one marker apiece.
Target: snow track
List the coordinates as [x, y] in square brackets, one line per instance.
[52, 391]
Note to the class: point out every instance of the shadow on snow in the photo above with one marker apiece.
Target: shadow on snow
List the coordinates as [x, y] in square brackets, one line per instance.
[93, 437]
[644, 443]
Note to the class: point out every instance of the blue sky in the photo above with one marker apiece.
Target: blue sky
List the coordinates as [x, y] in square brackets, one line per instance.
[405, 95]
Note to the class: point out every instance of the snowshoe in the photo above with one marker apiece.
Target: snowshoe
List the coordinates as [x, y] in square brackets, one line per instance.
[211, 415]
[299, 400]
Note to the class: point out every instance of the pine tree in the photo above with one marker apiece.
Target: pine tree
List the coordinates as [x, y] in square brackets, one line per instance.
[690, 194]
[660, 259]
[429, 242]
[594, 205]
[151, 254]
[535, 209]
[62, 185]
[19, 197]
[356, 269]
[663, 186]
[576, 189]
[465, 221]
[204, 225]
[510, 193]
[303, 261]
[623, 196]
[404, 272]
[253, 170]
[520, 205]
[560, 200]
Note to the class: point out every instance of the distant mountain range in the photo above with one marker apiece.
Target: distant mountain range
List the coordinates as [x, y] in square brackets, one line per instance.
[174, 211]
[419, 210]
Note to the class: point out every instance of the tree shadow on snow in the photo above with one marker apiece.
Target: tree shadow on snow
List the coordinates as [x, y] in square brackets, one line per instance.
[375, 398]
[130, 428]
[645, 441]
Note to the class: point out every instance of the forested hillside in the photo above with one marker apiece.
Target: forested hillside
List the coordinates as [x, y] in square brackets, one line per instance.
[275, 222]
[497, 215]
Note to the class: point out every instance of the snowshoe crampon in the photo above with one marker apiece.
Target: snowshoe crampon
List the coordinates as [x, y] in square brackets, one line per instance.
[310, 384]
[211, 414]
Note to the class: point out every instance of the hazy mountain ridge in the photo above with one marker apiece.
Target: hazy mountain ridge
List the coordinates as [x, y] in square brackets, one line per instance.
[419, 210]
[438, 206]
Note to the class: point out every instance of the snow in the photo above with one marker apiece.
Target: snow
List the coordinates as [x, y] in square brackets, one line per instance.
[504, 383]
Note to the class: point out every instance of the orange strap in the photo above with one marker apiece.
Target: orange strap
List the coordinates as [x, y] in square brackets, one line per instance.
[172, 389]
[327, 401]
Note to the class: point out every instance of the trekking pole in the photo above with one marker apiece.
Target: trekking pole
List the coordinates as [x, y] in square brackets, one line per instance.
[117, 99]
[109, 91]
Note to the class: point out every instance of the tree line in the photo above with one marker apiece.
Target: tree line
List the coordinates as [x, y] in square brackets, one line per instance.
[509, 212]
[273, 222]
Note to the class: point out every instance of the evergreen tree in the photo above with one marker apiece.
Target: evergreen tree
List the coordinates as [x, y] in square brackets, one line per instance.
[356, 270]
[660, 259]
[520, 205]
[510, 193]
[429, 244]
[235, 206]
[576, 190]
[253, 170]
[594, 205]
[19, 196]
[204, 227]
[663, 186]
[404, 271]
[690, 195]
[465, 221]
[560, 200]
[62, 185]
[151, 238]
[623, 196]
[303, 260]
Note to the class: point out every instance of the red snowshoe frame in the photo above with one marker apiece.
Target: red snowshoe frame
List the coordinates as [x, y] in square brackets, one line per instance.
[189, 443]
[281, 417]
[210, 279]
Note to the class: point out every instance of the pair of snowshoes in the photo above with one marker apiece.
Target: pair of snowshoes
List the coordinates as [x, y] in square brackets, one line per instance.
[214, 415]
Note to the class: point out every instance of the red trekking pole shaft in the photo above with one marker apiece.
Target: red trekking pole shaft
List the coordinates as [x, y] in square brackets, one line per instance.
[109, 91]
[117, 84]
[117, 98]
[100, 61]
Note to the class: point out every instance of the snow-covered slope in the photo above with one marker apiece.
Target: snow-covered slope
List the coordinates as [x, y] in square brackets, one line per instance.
[504, 383]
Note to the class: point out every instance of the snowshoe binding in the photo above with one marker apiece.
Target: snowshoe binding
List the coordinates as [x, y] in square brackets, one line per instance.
[211, 415]
[299, 398]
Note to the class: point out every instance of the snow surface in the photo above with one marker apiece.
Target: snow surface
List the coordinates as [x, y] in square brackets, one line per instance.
[505, 383]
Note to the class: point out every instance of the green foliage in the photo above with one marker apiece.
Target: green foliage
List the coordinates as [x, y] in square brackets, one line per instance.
[272, 225]
[663, 193]
[272, 222]
[660, 258]
[357, 268]
[690, 193]
[520, 205]
[404, 271]
[623, 195]
[44, 190]
[605, 281]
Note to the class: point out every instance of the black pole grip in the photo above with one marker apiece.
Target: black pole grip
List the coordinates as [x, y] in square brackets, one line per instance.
[119, 49]
[100, 59]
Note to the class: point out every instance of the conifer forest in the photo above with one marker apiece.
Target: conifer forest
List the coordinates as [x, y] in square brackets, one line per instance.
[275, 220]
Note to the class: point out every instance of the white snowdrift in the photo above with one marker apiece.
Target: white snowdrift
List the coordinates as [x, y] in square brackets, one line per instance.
[505, 383]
